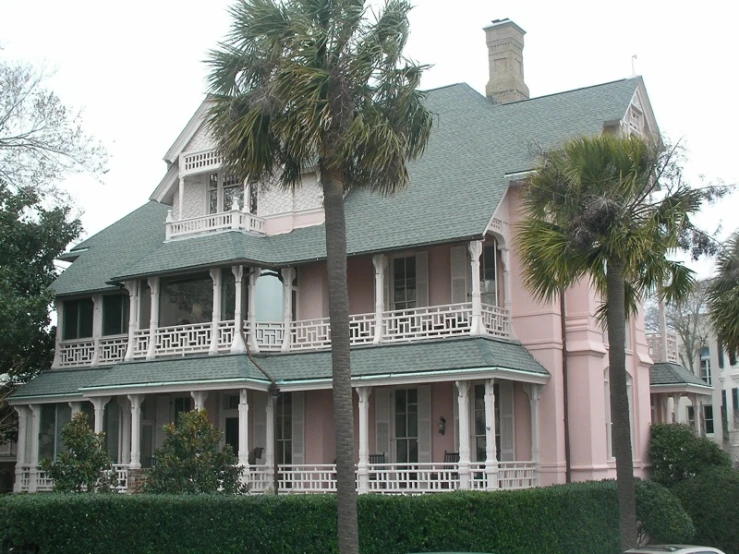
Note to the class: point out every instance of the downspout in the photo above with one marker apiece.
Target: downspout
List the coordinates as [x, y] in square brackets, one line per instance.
[565, 392]
[274, 391]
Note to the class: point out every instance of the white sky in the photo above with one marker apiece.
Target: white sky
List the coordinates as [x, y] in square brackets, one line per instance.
[136, 69]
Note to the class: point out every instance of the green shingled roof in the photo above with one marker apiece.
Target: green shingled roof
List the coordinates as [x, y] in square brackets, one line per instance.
[395, 360]
[454, 190]
[666, 373]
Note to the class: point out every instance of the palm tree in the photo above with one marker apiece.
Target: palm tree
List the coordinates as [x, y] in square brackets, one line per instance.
[609, 209]
[723, 295]
[300, 84]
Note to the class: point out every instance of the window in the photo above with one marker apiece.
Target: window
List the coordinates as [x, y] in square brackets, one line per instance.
[488, 274]
[690, 415]
[735, 400]
[404, 283]
[185, 301]
[480, 424]
[225, 193]
[269, 297]
[115, 314]
[181, 404]
[708, 418]
[77, 318]
[111, 425]
[406, 426]
[705, 365]
[720, 351]
[285, 429]
[732, 358]
[53, 418]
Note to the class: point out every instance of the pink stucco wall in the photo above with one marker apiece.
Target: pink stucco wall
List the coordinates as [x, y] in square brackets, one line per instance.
[319, 427]
[521, 422]
[312, 291]
[361, 277]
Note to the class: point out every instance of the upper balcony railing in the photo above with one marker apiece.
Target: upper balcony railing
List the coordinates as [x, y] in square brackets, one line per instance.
[232, 219]
[199, 162]
[654, 343]
[430, 322]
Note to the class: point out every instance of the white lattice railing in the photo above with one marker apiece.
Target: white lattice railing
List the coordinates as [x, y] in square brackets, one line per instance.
[121, 477]
[233, 219]
[307, 478]
[428, 322]
[654, 344]
[141, 343]
[516, 475]
[413, 478]
[112, 349]
[198, 162]
[226, 332]
[496, 321]
[269, 334]
[76, 353]
[313, 334]
[183, 339]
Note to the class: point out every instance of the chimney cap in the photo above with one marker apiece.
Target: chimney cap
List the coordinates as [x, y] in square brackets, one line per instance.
[503, 22]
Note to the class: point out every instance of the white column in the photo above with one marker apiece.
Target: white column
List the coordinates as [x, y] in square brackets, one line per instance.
[251, 310]
[243, 429]
[154, 320]
[463, 402]
[97, 326]
[475, 249]
[238, 346]
[288, 275]
[380, 263]
[125, 452]
[134, 309]
[534, 393]
[698, 411]
[23, 413]
[491, 457]
[269, 448]
[59, 330]
[505, 258]
[33, 462]
[363, 466]
[136, 401]
[76, 408]
[215, 275]
[99, 403]
[675, 408]
[663, 333]
[199, 397]
[181, 199]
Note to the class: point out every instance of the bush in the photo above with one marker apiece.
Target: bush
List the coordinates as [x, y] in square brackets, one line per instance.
[678, 453]
[190, 460]
[565, 519]
[84, 464]
[712, 501]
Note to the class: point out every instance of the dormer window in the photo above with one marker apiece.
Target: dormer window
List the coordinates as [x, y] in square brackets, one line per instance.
[225, 193]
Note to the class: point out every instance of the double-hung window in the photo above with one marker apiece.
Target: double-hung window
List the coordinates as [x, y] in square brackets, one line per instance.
[404, 283]
[115, 314]
[488, 275]
[77, 319]
[225, 193]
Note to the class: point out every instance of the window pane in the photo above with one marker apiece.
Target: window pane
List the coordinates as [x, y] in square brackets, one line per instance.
[253, 193]
[212, 201]
[400, 425]
[47, 431]
[413, 425]
[228, 296]
[232, 433]
[233, 196]
[186, 301]
[71, 317]
[115, 314]
[85, 323]
[402, 451]
[400, 401]
[412, 450]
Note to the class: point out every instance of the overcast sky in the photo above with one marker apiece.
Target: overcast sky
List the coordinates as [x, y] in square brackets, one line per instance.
[136, 70]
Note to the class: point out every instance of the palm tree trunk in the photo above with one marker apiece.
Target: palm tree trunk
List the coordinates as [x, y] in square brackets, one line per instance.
[620, 405]
[338, 309]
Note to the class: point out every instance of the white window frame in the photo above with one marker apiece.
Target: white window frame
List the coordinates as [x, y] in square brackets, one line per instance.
[220, 187]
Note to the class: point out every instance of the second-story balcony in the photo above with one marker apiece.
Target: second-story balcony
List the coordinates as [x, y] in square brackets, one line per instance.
[235, 219]
[416, 324]
[663, 351]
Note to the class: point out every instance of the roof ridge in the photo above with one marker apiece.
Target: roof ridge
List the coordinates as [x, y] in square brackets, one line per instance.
[587, 87]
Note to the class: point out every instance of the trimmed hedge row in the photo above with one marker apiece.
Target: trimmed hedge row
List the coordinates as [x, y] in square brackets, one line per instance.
[571, 519]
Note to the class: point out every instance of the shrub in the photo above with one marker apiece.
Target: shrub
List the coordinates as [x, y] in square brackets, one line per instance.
[84, 465]
[190, 460]
[712, 501]
[581, 518]
[678, 453]
[660, 516]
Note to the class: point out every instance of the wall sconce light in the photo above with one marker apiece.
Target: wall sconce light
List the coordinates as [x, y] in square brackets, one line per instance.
[442, 425]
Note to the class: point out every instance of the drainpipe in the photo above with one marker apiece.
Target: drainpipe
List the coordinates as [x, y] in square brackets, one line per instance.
[274, 392]
[565, 393]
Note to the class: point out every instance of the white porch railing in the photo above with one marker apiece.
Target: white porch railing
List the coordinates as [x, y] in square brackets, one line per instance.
[76, 353]
[428, 322]
[269, 334]
[140, 343]
[183, 339]
[496, 321]
[112, 349]
[200, 161]
[516, 475]
[413, 478]
[314, 334]
[654, 344]
[233, 219]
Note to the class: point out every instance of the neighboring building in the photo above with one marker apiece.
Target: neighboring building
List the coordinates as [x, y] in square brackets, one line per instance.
[457, 369]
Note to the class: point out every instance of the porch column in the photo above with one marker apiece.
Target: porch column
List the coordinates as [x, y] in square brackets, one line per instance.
[33, 462]
[154, 320]
[491, 456]
[136, 401]
[99, 403]
[199, 397]
[76, 408]
[363, 466]
[463, 403]
[59, 305]
[97, 326]
[254, 273]
[181, 198]
[215, 275]
[243, 429]
[23, 413]
[125, 454]
[675, 408]
[505, 258]
[380, 263]
[134, 308]
[534, 393]
[475, 249]
[698, 411]
[288, 275]
[269, 448]
[662, 332]
[238, 346]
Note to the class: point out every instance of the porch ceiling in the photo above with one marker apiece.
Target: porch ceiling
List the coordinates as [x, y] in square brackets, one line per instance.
[440, 360]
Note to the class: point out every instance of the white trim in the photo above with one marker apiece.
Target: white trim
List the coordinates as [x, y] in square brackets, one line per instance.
[185, 136]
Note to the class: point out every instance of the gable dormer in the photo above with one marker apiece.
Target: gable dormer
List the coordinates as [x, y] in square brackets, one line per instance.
[204, 198]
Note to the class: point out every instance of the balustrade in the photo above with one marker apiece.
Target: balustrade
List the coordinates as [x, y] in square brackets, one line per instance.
[428, 322]
[233, 219]
[76, 353]
[654, 345]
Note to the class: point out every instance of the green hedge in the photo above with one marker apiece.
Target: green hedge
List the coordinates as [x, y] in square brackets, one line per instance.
[712, 500]
[571, 519]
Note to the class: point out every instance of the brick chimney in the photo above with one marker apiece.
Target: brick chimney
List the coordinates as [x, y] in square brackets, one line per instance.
[505, 57]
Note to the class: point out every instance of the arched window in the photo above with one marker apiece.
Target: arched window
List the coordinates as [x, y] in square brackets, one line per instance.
[268, 297]
[607, 405]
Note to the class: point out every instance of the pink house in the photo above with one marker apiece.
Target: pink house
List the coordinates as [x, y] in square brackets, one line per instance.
[457, 370]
